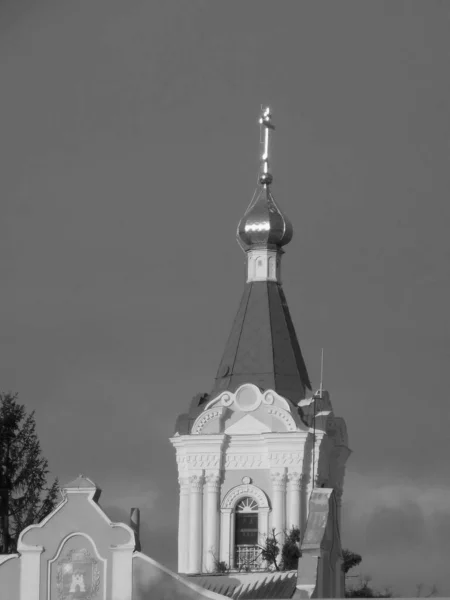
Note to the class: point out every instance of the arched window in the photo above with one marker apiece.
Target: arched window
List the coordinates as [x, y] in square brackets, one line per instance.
[247, 551]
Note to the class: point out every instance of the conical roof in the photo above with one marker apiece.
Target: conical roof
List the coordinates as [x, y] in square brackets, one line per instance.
[262, 347]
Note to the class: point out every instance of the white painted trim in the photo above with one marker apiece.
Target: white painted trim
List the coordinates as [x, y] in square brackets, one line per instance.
[263, 265]
[227, 517]
[6, 557]
[219, 398]
[185, 581]
[122, 573]
[30, 572]
[90, 498]
[97, 553]
[233, 496]
[20, 543]
[204, 418]
[247, 425]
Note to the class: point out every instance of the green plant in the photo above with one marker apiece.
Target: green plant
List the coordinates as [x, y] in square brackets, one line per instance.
[271, 550]
[290, 551]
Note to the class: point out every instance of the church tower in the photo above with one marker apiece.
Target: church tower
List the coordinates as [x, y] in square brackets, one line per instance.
[250, 452]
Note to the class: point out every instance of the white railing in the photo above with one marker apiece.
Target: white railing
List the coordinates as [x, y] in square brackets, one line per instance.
[248, 557]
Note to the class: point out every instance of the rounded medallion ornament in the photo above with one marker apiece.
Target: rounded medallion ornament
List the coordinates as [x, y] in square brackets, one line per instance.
[247, 398]
[246, 480]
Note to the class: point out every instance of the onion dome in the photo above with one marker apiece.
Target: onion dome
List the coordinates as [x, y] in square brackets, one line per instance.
[263, 224]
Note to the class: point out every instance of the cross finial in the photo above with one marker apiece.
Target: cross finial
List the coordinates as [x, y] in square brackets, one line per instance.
[265, 121]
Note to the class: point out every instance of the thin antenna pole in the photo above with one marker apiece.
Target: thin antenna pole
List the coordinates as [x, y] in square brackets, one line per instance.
[315, 397]
[314, 442]
[321, 374]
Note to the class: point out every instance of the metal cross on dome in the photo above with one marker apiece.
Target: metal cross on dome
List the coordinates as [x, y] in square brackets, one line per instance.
[265, 121]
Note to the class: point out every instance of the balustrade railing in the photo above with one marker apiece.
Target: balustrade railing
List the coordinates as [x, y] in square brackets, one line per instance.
[248, 558]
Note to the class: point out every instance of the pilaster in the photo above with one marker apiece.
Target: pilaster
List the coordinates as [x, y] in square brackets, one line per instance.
[183, 525]
[195, 523]
[279, 503]
[212, 519]
[122, 572]
[225, 535]
[30, 571]
[294, 487]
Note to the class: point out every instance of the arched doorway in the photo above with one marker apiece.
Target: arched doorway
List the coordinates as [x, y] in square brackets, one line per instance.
[247, 553]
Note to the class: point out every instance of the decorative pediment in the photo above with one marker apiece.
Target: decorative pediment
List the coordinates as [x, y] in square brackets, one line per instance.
[249, 410]
[205, 418]
[247, 424]
[247, 398]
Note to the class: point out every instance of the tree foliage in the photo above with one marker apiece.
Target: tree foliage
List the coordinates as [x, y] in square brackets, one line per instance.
[271, 550]
[350, 560]
[27, 498]
[290, 552]
[363, 590]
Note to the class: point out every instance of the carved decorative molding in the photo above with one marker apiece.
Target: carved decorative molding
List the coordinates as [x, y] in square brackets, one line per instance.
[278, 481]
[196, 482]
[245, 461]
[212, 482]
[245, 490]
[283, 416]
[295, 481]
[204, 418]
[198, 461]
[263, 460]
[184, 485]
[285, 459]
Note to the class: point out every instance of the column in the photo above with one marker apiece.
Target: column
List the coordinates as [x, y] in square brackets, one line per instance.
[279, 504]
[232, 539]
[225, 535]
[212, 520]
[293, 500]
[183, 526]
[263, 527]
[195, 523]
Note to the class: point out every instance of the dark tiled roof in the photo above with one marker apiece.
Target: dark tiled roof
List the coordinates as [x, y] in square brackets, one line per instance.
[262, 347]
[251, 586]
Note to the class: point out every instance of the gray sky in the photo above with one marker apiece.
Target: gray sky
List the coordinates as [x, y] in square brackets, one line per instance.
[129, 151]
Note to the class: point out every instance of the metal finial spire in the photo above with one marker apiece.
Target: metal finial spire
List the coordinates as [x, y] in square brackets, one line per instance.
[265, 121]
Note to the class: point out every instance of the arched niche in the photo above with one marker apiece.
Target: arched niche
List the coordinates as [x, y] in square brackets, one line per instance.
[77, 570]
